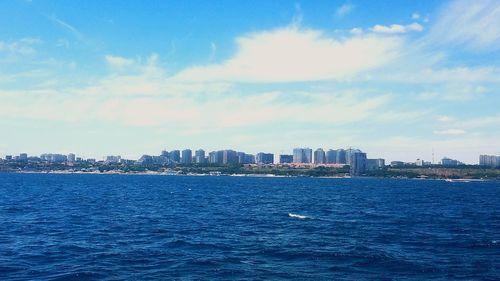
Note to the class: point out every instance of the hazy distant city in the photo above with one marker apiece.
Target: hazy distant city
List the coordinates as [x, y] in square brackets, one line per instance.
[355, 159]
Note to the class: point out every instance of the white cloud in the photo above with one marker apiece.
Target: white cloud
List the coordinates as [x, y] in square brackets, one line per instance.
[457, 74]
[450, 132]
[23, 46]
[345, 9]
[482, 122]
[117, 61]
[415, 16]
[397, 28]
[456, 92]
[290, 54]
[213, 51]
[475, 24]
[62, 42]
[445, 119]
[356, 31]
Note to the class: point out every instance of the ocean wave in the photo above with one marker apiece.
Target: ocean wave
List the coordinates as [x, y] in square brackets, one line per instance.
[297, 216]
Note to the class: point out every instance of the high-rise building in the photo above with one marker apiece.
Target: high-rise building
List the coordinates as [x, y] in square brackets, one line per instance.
[23, 157]
[357, 163]
[331, 156]
[348, 153]
[165, 153]
[244, 158]
[341, 157]
[302, 155]
[175, 156]
[264, 158]
[319, 156]
[285, 158]
[489, 160]
[187, 156]
[199, 156]
[229, 157]
[216, 157]
[71, 158]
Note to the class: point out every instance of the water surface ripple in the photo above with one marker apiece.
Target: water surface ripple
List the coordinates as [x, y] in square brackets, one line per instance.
[126, 227]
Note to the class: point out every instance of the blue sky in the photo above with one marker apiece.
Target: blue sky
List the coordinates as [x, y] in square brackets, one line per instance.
[396, 79]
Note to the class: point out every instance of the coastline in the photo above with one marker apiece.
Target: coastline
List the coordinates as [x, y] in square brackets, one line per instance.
[153, 173]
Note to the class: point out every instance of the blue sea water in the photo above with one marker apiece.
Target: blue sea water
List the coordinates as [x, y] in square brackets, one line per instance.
[130, 227]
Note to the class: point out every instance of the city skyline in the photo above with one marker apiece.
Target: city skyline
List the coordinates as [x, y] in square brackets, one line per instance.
[401, 80]
[299, 155]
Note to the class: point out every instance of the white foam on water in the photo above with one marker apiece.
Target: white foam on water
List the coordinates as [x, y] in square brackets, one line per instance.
[297, 216]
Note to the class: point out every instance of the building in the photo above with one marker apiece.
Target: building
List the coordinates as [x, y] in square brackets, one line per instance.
[71, 158]
[244, 158]
[302, 155]
[420, 162]
[212, 157]
[175, 156]
[357, 163]
[489, 160]
[23, 157]
[145, 160]
[8, 157]
[375, 164]
[348, 154]
[216, 157]
[56, 158]
[319, 156]
[151, 160]
[165, 153]
[331, 156]
[286, 158]
[112, 159]
[199, 156]
[229, 157]
[450, 162]
[187, 156]
[264, 158]
[397, 163]
[341, 157]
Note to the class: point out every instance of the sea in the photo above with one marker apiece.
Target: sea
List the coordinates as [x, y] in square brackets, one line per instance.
[146, 227]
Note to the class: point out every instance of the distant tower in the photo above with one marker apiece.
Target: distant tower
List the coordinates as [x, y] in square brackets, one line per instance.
[432, 156]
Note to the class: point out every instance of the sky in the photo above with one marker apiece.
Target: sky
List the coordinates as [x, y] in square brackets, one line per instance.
[396, 79]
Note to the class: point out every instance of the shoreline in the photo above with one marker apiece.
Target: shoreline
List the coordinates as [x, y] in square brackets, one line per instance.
[151, 173]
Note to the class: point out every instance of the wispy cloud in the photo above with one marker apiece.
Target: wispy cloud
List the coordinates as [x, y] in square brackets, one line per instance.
[117, 61]
[344, 10]
[456, 92]
[213, 51]
[445, 119]
[450, 132]
[22, 46]
[70, 29]
[474, 24]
